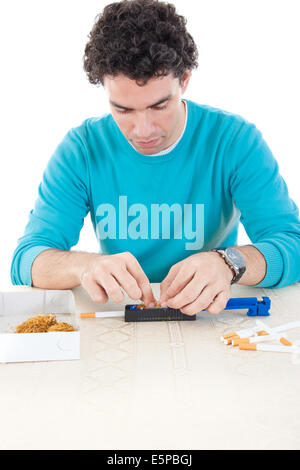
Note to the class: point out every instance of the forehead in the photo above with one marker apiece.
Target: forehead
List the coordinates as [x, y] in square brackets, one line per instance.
[127, 93]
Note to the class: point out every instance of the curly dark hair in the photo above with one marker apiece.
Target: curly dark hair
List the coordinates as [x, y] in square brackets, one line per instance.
[140, 39]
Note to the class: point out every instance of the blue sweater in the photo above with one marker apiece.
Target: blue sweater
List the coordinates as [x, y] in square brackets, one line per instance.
[165, 208]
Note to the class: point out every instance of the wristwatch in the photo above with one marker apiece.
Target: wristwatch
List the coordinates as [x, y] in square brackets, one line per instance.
[235, 261]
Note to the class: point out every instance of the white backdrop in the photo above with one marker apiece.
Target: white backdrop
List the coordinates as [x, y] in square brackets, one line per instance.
[248, 64]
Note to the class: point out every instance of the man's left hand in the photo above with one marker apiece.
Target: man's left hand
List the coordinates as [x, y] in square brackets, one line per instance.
[200, 281]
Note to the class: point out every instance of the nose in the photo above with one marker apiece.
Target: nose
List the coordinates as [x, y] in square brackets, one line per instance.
[144, 129]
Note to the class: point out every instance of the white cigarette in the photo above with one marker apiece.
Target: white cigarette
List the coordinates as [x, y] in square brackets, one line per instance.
[259, 326]
[116, 313]
[269, 337]
[269, 347]
[276, 329]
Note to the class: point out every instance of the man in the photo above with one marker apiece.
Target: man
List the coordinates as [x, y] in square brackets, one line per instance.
[166, 182]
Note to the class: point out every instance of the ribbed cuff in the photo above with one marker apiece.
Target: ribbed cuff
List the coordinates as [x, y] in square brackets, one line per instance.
[274, 264]
[26, 261]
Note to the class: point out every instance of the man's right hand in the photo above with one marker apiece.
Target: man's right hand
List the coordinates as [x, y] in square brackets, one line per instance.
[106, 275]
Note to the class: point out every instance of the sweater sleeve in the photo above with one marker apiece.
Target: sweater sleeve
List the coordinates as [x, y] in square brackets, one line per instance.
[59, 211]
[269, 215]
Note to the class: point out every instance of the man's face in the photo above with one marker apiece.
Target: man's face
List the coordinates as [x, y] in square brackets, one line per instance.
[151, 117]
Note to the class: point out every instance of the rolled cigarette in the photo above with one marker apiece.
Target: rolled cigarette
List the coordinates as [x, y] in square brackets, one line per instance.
[116, 313]
[277, 329]
[269, 347]
[261, 339]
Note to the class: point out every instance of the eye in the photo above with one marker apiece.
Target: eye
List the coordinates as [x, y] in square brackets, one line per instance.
[122, 111]
[159, 108]
[156, 108]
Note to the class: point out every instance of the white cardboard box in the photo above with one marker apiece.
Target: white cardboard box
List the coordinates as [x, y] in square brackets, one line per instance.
[18, 306]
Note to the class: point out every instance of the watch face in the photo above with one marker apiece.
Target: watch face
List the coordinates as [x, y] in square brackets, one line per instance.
[235, 257]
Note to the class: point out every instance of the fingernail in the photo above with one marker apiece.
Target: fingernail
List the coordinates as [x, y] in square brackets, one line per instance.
[151, 305]
[164, 304]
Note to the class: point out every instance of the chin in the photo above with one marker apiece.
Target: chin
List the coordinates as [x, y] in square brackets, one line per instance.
[150, 151]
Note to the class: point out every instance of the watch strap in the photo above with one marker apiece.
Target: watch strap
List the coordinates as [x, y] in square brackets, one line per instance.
[236, 274]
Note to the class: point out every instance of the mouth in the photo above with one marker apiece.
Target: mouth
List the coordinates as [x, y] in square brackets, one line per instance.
[148, 144]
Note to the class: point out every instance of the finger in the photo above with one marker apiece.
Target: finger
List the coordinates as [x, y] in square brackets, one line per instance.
[219, 303]
[182, 286]
[148, 296]
[127, 281]
[111, 286]
[134, 289]
[189, 293]
[167, 281]
[135, 269]
[95, 291]
[205, 298]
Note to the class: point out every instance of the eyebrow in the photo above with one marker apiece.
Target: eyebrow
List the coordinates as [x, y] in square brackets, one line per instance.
[166, 98]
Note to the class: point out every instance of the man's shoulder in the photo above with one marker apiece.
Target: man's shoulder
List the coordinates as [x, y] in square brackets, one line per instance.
[214, 116]
[94, 125]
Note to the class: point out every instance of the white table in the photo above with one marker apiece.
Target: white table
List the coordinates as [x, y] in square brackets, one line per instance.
[159, 385]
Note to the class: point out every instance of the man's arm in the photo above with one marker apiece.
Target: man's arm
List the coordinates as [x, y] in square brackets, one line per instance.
[60, 269]
[102, 276]
[58, 214]
[268, 214]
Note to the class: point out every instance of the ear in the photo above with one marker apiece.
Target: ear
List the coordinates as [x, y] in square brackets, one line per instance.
[185, 80]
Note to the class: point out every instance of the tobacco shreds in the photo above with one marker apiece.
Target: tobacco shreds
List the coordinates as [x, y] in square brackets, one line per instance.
[61, 326]
[157, 305]
[42, 324]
